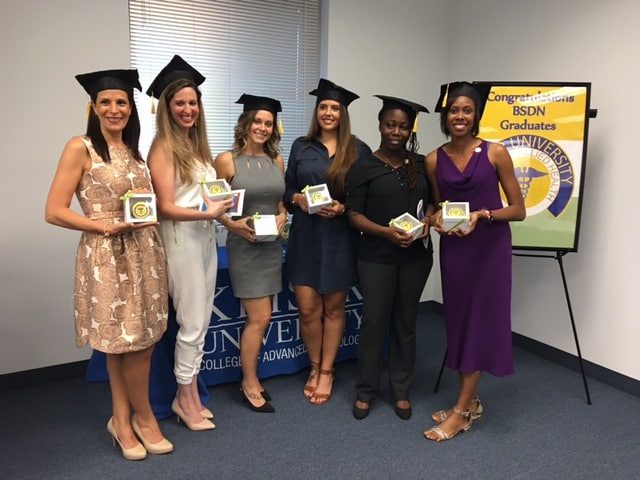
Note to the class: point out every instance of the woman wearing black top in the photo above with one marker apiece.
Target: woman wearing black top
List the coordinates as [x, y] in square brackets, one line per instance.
[393, 268]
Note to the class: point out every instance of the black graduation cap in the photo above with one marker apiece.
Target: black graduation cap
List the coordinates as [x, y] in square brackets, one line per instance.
[392, 103]
[327, 90]
[412, 109]
[176, 69]
[95, 82]
[253, 102]
[478, 91]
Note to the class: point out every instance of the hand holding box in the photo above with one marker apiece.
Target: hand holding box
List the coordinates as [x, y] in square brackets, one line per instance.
[455, 215]
[317, 197]
[409, 224]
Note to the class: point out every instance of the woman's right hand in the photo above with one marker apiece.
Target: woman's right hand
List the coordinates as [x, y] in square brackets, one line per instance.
[399, 237]
[300, 200]
[216, 208]
[241, 227]
[118, 228]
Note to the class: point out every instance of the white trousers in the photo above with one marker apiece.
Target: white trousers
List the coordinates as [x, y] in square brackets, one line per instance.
[192, 262]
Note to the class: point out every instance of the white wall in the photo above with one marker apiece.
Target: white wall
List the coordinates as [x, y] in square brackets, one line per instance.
[43, 45]
[574, 40]
[404, 48]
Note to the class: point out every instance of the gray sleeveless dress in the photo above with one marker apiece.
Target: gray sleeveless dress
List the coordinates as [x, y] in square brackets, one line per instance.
[256, 268]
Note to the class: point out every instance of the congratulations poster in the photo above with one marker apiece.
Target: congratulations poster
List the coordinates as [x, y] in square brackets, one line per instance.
[544, 127]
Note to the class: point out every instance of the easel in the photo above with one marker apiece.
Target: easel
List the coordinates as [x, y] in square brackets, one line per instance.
[558, 256]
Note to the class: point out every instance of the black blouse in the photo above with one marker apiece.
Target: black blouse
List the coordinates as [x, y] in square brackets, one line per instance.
[381, 193]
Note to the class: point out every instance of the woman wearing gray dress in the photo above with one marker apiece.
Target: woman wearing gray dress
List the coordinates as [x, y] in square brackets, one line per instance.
[254, 164]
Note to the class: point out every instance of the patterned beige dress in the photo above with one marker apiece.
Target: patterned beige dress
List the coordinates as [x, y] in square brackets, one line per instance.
[120, 290]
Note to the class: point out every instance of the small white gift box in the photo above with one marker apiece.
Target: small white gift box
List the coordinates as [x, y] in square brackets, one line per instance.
[408, 223]
[140, 207]
[317, 197]
[215, 187]
[455, 215]
[265, 227]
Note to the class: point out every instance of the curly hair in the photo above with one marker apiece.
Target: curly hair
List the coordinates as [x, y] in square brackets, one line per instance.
[241, 132]
[185, 151]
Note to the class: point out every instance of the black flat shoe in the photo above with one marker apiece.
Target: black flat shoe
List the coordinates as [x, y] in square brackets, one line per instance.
[266, 407]
[360, 413]
[265, 395]
[404, 413]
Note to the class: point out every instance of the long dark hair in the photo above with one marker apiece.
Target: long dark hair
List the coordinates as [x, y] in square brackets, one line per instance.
[346, 151]
[411, 146]
[130, 134]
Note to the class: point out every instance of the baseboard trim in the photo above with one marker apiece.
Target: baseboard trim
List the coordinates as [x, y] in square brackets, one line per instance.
[570, 361]
[38, 376]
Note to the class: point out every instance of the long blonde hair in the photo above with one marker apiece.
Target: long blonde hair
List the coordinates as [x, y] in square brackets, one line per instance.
[346, 153]
[186, 152]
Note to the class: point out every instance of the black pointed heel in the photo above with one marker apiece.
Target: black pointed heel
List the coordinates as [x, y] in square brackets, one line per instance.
[266, 407]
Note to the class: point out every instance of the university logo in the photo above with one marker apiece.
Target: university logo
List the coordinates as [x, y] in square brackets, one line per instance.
[544, 172]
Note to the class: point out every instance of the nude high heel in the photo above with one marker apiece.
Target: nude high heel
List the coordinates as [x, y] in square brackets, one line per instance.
[206, 413]
[134, 453]
[196, 427]
[158, 448]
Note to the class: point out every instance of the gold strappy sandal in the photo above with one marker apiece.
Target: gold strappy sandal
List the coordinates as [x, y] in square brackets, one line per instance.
[442, 435]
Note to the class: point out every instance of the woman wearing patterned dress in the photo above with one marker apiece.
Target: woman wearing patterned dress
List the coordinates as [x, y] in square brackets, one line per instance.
[254, 164]
[321, 256]
[180, 162]
[475, 261]
[120, 293]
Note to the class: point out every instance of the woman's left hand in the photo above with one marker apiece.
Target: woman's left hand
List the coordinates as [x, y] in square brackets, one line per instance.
[329, 211]
[281, 221]
[474, 218]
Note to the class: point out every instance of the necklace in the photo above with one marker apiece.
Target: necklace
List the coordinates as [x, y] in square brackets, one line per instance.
[394, 164]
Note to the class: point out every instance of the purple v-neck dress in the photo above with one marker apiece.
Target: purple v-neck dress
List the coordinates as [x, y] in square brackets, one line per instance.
[476, 271]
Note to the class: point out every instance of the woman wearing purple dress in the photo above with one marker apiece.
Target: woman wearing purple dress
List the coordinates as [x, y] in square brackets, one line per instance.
[475, 261]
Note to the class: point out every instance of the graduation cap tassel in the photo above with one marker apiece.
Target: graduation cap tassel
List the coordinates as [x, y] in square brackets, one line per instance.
[416, 126]
[444, 99]
[153, 105]
[88, 109]
[280, 127]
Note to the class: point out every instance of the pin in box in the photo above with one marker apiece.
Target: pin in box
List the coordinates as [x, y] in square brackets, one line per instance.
[317, 197]
[140, 208]
[455, 215]
[409, 224]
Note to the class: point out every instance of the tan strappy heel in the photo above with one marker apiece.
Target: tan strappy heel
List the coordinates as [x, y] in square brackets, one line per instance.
[476, 413]
[442, 435]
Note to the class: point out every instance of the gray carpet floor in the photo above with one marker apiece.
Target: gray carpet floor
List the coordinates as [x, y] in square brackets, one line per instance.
[536, 425]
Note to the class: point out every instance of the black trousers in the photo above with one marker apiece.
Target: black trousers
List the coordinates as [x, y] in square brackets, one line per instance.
[391, 294]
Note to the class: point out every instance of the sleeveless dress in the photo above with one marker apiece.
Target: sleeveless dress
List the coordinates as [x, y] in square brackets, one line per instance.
[321, 252]
[255, 269]
[120, 287]
[476, 271]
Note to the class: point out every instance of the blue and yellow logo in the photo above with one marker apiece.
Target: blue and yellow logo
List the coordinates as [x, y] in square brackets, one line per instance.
[544, 172]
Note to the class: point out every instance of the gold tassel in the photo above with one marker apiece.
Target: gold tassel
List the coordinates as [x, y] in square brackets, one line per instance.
[416, 125]
[280, 127]
[88, 109]
[446, 95]
[153, 105]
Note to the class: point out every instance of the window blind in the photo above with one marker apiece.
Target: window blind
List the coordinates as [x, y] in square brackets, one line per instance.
[262, 47]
